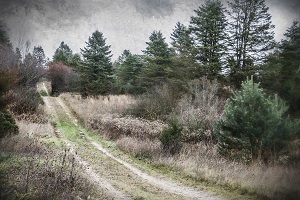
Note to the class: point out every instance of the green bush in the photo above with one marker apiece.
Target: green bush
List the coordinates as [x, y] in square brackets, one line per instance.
[171, 138]
[7, 124]
[156, 103]
[254, 125]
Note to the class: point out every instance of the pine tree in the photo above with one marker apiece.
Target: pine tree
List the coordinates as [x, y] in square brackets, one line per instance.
[63, 54]
[158, 50]
[254, 125]
[158, 66]
[130, 67]
[4, 39]
[96, 71]
[181, 41]
[290, 70]
[251, 37]
[208, 33]
[39, 55]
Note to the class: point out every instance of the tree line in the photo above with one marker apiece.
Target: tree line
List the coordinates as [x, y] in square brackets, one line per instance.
[227, 45]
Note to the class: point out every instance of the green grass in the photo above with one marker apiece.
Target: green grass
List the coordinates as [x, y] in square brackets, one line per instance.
[53, 142]
[174, 173]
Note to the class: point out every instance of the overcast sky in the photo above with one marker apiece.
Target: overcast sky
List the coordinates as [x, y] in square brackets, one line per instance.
[127, 24]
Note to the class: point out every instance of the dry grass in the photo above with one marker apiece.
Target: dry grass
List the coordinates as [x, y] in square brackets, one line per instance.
[198, 110]
[115, 126]
[203, 163]
[140, 148]
[201, 160]
[90, 107]
[32, 170]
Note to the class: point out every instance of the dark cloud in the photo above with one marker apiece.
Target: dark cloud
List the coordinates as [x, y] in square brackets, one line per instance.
[291, 5]
[154, 8]
[123, 22]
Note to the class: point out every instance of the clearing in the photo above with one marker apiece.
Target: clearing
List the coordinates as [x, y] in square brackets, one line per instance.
[119, 178]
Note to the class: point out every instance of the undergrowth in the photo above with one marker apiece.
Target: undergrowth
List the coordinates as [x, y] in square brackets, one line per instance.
[32, 167]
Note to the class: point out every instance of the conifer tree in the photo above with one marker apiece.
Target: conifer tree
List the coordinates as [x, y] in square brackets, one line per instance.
[290, 70]
[39, 55]
[158, 56]
[209, 36]
[130, 67]
[157, 49]
[63, 54]
[96, 71]
[251, 37]
[254, 125]
[181, 40]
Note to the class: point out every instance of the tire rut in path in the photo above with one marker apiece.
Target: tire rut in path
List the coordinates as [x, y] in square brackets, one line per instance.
[100, 181]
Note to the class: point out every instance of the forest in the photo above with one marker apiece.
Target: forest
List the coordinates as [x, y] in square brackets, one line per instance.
[223, 82]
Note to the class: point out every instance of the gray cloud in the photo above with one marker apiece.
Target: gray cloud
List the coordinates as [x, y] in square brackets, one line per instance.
[292, 6]
[154, 8]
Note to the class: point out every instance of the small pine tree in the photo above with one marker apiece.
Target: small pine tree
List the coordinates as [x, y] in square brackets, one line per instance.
[254, 125]
[7, 124]
[171, 138]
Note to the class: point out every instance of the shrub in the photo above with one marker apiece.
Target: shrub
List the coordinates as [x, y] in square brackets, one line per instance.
[199, 109]
[7, 124]
[63, 78]
[156, 103]
[26, 100]
[171, 138]
[254, 125]
[8, 79]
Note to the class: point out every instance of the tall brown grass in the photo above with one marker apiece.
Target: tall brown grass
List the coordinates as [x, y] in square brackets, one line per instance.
[116, 126]
[90, 107]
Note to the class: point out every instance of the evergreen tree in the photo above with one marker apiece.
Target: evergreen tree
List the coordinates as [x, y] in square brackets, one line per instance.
[254, 125]
[96, 71]
[39, 55]
[63, 54]
[290, 71]
[208, 32]
[181, 40]
[281, 73]
[251, 37]
[158, 55]
[18, 56]
[4, 39]
[158, 50]
[130, 67]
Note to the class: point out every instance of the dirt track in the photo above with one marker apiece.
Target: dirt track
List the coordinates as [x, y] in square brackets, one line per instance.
[120, 179]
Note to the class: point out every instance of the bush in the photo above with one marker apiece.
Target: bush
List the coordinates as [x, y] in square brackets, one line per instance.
[26, 100]
[156, 103]
[63, 78]
[8, 79]
[254, 125]
[7, 124]
[199, 109]
[171, 138]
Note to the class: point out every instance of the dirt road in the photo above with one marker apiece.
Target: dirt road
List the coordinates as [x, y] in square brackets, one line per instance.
[120, 179]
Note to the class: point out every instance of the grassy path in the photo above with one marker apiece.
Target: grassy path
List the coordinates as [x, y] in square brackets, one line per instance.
[121, 179]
